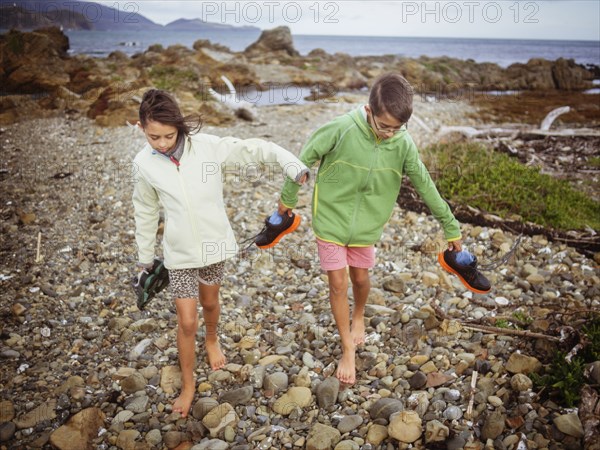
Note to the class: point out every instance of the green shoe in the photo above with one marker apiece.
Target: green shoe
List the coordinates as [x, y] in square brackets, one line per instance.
[150, 283]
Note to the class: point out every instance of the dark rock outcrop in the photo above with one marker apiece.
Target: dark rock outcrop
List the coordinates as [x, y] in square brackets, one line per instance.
[37, 64]
[205, 43]
[276, 40]
[569, 76]
[117, 105]
[33, 62]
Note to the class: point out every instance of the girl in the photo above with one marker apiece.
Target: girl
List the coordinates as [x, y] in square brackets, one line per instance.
[182, 171]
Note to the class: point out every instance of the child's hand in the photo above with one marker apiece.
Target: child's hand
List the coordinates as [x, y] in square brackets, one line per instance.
[139, 278]
[282, 209]
[144, 270]
[455, 245]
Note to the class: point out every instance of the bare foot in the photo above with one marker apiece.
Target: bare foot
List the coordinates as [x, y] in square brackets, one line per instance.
[183, 403]
[346, 371]
[358, 331]
[216, 358]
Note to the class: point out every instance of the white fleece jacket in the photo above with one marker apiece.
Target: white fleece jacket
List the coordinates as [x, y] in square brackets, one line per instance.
[197, 230]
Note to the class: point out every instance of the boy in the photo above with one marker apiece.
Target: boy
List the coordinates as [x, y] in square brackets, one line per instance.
[363, 155]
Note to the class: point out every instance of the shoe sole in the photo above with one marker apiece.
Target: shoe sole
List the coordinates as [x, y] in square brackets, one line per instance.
[291, 229]
[462, 280]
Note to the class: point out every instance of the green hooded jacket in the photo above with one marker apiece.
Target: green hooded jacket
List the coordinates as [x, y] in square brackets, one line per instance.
[359, 179]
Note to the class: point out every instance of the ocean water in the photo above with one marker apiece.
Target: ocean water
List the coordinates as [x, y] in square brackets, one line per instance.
[500, 51]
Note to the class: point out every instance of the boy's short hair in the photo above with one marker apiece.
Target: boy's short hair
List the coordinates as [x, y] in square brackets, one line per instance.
[391, 93]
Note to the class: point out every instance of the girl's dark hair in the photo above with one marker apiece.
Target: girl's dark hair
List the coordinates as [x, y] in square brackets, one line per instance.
[391, 93]
[159, 106]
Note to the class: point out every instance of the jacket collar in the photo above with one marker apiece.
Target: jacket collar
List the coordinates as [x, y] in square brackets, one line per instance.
[359, 115]
[187, 147]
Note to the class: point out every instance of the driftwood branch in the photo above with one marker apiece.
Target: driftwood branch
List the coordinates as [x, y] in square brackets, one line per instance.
[580, 346]
[472, 132]
[587, 242]
[514, 133]
[438, 311]
[567, 132]
[495, 319]
[38, 256]
[469, 412]
[579, 311]
[509, 332]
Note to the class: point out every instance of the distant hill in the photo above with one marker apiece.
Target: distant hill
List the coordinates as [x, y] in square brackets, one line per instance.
[12, 16]
[200, 25]
[82, 15]
[28, 14]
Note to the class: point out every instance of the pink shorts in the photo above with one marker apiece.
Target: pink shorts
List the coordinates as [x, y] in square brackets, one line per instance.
[335, 257]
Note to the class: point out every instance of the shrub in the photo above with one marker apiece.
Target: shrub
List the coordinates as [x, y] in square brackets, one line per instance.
[471, 174]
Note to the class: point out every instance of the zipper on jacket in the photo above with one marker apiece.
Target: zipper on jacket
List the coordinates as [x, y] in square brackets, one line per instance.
[361, 192]
[174, 161]
[187, 204]
[316, 200]
[171, 158]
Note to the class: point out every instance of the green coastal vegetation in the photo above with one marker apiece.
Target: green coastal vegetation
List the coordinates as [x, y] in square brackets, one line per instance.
[564, 377]
[172, 78]
[470, 173]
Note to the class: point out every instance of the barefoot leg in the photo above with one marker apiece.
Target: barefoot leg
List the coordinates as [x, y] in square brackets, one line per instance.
[211, 310]
[187, 326]
[346, 371]
[183, 403]
[361, 285]
[338, 298]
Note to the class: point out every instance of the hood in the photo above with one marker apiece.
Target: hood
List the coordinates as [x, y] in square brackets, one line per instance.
[358, 115]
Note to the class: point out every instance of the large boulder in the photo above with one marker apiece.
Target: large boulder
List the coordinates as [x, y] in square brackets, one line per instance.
[541, 74]
[203, 44]
[85, 74]
[535, 75]
[117, 104]
[33, 62]
[79, 431]
[570, 76]
[238, 73]
[276, 40]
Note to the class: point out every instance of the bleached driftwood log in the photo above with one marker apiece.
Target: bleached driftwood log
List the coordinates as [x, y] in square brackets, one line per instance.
[243, 109]
[513, 133]
[567, 132]
[472, 132]
[551, 117]
[521, 132]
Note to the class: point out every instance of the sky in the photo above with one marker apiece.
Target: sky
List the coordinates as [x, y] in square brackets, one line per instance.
[518, 19]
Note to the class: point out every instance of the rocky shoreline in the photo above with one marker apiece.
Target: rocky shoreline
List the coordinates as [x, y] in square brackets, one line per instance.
[40, 79]
[82, 367]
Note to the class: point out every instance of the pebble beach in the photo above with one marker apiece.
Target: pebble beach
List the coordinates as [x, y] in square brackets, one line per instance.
[82, 367]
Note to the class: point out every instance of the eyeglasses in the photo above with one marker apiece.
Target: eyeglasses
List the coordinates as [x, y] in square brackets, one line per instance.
[392, 130]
